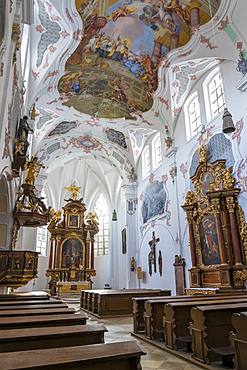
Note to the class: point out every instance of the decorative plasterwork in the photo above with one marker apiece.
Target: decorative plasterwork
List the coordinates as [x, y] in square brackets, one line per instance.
[45, 78]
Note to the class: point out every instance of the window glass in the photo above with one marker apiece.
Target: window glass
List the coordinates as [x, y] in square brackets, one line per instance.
[216, 95]
[102, 238]
[157, 158]
[146, 162]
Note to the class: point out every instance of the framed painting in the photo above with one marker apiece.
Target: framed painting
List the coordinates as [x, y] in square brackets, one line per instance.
[72, 253]
[209, 241]
[73, 221]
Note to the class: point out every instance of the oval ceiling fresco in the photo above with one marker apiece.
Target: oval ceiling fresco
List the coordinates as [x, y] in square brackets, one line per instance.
[113, 71]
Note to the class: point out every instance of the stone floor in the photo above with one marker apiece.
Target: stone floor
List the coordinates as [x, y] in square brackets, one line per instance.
[155, 359]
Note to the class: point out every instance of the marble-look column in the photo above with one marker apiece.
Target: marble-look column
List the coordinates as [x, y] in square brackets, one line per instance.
[50, 265]
[230, 203]
[191, 238]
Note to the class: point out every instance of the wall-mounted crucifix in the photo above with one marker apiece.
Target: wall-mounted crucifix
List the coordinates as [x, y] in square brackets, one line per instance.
[152, 254]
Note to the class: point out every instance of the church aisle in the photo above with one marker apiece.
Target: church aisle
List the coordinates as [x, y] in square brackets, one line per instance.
[119, 329]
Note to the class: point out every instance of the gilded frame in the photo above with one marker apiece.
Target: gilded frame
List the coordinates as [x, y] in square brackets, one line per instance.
[73, 221]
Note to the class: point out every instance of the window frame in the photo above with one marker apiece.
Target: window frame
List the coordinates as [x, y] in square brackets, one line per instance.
[145, 172]
[102, 244]
[156, 157]
[188, 123]
[39, 239]
[207, 96]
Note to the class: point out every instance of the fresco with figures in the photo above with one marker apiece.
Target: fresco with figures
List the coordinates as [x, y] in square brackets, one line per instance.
[113, 71]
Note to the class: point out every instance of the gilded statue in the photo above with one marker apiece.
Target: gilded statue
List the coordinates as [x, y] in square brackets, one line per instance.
[73, 190]
[202, 154]
[93, 221]
[33, 168]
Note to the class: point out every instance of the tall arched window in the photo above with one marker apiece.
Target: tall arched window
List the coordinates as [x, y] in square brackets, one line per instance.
[146, 162]
[102, 238]
[42, 234]
[192, 115]
[156, 151]
[216, 95]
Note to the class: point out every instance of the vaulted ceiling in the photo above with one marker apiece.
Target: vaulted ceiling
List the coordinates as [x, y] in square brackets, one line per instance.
[98, 76]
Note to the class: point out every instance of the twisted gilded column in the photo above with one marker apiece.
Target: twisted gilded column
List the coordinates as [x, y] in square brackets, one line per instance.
[230, 203]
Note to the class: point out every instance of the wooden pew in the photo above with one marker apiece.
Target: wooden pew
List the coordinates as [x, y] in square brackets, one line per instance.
[32, 306]
[239, 338]
[36, 312]
[25, 296]
[210, 328]
[25, 339]
[138, 312]
[32, 302]
[120, 356]
[120, 303]
[177, 318]
[154, 310]
[42, 320]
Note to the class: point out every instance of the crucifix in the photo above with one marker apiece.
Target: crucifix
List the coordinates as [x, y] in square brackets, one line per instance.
[152, 254]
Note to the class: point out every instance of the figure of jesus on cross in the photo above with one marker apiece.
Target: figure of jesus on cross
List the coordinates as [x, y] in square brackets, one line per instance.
[152, 254]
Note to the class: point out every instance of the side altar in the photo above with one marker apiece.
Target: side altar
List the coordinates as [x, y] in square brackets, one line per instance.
[217, 230]
[71, 259]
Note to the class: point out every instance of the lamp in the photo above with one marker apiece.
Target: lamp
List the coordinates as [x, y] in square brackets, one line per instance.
[114, 215]
[228, 125]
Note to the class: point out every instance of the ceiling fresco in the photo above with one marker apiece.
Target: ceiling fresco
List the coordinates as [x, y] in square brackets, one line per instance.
[113, 71]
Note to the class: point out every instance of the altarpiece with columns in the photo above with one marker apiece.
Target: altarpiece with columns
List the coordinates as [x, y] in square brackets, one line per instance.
[217, 228]
[71, 259]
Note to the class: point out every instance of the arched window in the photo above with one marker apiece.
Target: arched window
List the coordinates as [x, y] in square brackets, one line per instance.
[42, 234]
[146, 162]
[102, 238]
[192, 116]
[216, 95]
[156, 152]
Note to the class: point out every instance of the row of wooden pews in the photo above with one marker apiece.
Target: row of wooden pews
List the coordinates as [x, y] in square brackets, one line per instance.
[38, 332]
[110, 303]
[202, 324]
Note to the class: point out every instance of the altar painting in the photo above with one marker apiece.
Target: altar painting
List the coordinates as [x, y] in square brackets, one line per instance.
[72, 253]
[209, 241]
[113, 72]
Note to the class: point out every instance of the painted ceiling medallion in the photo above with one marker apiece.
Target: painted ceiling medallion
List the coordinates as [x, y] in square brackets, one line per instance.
[113, 71]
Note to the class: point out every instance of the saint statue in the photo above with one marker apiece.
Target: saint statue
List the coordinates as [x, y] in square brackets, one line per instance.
[33, 168]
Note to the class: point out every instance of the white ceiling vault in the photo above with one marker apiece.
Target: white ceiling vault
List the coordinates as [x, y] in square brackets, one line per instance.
[63, 132]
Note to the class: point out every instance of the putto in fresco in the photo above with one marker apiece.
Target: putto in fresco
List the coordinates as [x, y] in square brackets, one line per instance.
[113, 71]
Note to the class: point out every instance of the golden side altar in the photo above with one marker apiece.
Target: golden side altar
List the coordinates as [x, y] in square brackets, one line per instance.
[71, 259]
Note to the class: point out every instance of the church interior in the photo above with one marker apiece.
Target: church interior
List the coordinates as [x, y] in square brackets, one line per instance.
[123, 184]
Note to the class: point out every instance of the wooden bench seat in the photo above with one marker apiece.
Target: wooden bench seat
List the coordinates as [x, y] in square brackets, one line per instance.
[43, 306]
[120, 303]
[154, 311]
[39, 295]
[50, 337]
[210, 327]
[177, 316]
[42, 320]
[32, 312]
[31, 302]
[227, 354]
[239, 339]
[117, 356]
